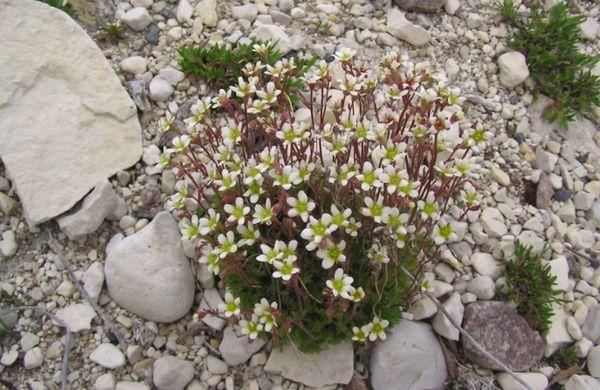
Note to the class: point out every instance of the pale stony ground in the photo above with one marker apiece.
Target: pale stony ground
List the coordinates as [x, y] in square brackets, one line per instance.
[466, 39]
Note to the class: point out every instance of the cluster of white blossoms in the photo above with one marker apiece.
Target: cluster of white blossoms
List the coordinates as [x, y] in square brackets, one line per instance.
[363, 166]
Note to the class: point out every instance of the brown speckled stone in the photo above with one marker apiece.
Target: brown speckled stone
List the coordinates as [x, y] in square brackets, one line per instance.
[503, 333]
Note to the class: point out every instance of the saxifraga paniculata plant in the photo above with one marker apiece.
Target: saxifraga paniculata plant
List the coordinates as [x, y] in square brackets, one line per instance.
[311, 217]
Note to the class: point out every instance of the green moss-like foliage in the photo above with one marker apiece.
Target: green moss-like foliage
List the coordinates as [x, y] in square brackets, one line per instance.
[531, 286]
[549, 40]
[61, 5]
[220, 66]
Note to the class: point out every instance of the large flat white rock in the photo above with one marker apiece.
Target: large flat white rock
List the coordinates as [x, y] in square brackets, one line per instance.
[66, 122]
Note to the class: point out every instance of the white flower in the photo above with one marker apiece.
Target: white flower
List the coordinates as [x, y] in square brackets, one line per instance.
[428, 207]
[356, 294]
[300, 206]
[361, 334]
[345, 54]
[369, 177]
[374, 209]
[400, 235]
[255, 190]
[231, 306]
[211, 258]
[252, 171]
[227, 180]
[238, 212]
[341, 284]
[315, 230]
[408, 188]
[332, 253]
[165, 124]
[285, 269]
[181, 142]
[270, 254]
[339, 219]
[260, 48]
[288, 251]
[227, 244]
[285, 178]
[379, 254]
[232, 135]
[378, 329]
[263, 214]
[341, 175]
[477, 136]
[392, 178]
[443, 232]
[304, 171]
[208, 225]
[264, 311]
[352, 228]
[270, 94]
[245, 88]
[251, 328]
[191, 229]
[248, 233]
[470, 195]
[393, 218]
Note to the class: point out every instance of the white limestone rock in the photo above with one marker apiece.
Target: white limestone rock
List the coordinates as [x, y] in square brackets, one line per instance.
[160, 89]
[559, 267]
[184, 11]
[137, 18]
[513, 69]
[238, 348]
[93, 279]
[247, 12]
[134, 64]
[77, 316]
[402, 28]
[590, 28]
[451, 6]
[455, 309]
[66, 122]
[105, 382]
[207, 12]
[557, 334]
[535, 381]
[334, 365]
[171, 373]
[486, 265]
[410, 359]
[591, 327]
[422, 309]
[210, 301]
[582, 382]
[593, 362]
[272, 32]
[148, 274]
[108, 356]
[102, 203]
[483, 287]
[493, 222]
[33, 358]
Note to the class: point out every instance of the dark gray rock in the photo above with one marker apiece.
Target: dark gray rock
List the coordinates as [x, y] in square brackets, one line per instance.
[504, 334]
[420, 5]
[562, 194]
[152, 34]
[544, 192]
